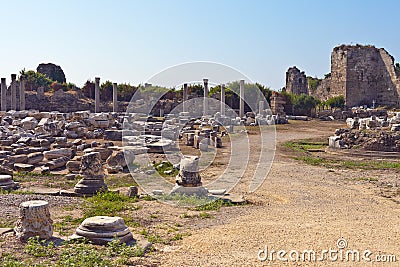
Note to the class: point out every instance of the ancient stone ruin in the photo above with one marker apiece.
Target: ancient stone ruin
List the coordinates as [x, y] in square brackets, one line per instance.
[188, 180]
[364, 75]
[93, 175]
[7, 183]
[34, 221]
[103, 229]
[296, 81]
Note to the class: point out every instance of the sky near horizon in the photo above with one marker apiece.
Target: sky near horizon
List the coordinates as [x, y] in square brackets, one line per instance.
[130, 41]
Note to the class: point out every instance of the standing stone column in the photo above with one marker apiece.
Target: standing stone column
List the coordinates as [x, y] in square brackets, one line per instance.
[97, 95]
[34, 220]
[241, 103]
[22, 93]
[115, 97]
[222, 99]
[13, 92]
[3, 94]
[205, 103]
[261, 107]
[185, 97]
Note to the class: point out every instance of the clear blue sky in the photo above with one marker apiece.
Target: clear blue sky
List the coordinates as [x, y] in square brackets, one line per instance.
[129, 41]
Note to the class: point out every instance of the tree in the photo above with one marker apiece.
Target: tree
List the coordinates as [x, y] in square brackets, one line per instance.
[34, 80]
[336, 102]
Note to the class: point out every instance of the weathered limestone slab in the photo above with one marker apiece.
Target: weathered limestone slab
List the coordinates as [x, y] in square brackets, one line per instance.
[57, 163]
[103, 229]
[73, 166]
[21, 167]
[34, 158]
[34, 220]
[58, 153]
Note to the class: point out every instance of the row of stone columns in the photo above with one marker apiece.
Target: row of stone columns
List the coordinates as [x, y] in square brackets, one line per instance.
[13, 93]
[97, 96]
[205, 103]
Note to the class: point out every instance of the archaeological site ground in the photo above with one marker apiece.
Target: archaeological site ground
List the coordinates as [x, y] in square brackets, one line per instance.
[204, 173]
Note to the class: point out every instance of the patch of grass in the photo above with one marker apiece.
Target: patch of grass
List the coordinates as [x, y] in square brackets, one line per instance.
[185, 200]
[39, 248]
[305, 145]
[152, 238]
[205, 215]
[367, 179]
[114, 181]
[108, 204]
[177, 236]
[214, 205]
[82, 255]
[148, 198]
[67, 225]
[166, 166]
[349, 164]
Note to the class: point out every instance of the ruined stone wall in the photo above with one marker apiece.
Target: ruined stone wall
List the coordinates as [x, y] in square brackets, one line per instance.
[323, 90]
[364, 74]
[296, 81]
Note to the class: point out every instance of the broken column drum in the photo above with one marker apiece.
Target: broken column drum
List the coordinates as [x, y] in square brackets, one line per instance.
[102, 229]
[93, 176]
[188, 175]
[34, 220]
[7, 183]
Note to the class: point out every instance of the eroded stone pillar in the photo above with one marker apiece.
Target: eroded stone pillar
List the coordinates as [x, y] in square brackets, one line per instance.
[13, 92]
[185, 97]
[261, 107]
[115, 97]
[22, 93]
[241, 103]
[222, 99]
[3, 94]
[205, 103]
[97, 95]
[34, 220]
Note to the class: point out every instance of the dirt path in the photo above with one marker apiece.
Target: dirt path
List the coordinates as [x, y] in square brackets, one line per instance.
[301, 207]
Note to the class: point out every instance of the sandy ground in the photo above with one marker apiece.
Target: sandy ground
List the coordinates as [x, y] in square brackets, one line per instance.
[299, 207]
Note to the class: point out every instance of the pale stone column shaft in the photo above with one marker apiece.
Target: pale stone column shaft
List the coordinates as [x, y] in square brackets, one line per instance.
[97, 95]
[3, 94]
[185, 97]
[22, 93]
[205, 103]
[222, 99]
[115, 97]
[13, 92]
[260, 107]
[241, 103]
